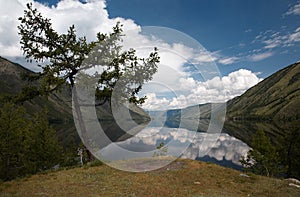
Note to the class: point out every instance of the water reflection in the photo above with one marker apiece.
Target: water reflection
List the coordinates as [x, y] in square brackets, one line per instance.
[226, 150]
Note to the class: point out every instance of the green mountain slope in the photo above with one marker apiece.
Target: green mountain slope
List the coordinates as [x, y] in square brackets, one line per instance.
[277, 98]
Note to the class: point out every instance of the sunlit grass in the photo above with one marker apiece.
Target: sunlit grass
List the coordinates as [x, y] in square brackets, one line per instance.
[181, 178]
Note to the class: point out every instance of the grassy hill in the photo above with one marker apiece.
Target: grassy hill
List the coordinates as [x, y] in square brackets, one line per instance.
[272, 106]
[275, 98]
[180, 178]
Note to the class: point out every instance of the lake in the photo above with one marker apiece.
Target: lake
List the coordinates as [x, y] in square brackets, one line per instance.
[156, 140]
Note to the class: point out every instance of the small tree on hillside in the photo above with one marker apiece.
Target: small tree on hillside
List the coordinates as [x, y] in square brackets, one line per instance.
[263, 159]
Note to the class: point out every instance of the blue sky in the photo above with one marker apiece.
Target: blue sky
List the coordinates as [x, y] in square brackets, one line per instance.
[247, 40]
[228, 28]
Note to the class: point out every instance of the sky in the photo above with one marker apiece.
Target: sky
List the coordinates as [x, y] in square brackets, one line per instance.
[242, 42]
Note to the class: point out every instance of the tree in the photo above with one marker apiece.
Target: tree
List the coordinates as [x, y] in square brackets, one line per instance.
[13, 131]
[161, 150]
[61, 57]
[263, 158]
[27, 145]
[44, 149]
[291, 152]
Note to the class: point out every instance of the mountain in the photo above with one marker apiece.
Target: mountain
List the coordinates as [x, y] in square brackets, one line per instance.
[195, 117]
[272, 105]
[59, 106]
[10, 77]
[275, 98]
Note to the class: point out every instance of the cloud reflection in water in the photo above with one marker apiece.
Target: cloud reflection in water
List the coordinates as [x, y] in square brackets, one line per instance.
[198, 145]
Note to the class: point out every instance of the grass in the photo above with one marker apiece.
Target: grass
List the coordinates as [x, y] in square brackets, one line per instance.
[180, 178]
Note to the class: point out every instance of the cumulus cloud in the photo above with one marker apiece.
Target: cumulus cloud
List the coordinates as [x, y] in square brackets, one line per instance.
[65, 14]
[9, 39]
[154, 103]
[217, 89]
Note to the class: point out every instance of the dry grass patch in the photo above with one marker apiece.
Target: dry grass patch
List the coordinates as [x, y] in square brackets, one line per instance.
[180, 178]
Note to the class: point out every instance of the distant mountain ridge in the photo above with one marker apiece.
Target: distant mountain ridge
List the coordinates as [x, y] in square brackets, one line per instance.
[195, 117]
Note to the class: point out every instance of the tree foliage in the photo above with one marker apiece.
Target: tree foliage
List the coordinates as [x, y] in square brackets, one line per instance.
[28, 145]
[161, 150]
[61, 57]
[263, 158]
[13, 133]
[290, 152]
[45, 151]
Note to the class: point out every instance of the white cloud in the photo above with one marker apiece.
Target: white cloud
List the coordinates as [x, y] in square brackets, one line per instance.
[228, 60]
[294, 10]
[205, 57]
[273, 39]
[92, 17]
[272, 43]
[9, 39]
[295, 37]
[219, 146]
[154, 103]
[89, 18]
[248, 30]
[213, 90]
[260, 56]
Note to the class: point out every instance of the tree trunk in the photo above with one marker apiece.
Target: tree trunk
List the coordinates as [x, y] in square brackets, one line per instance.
[81, 123]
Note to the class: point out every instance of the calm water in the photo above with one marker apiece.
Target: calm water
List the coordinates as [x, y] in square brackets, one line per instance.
[219, 148]
[163, 137]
